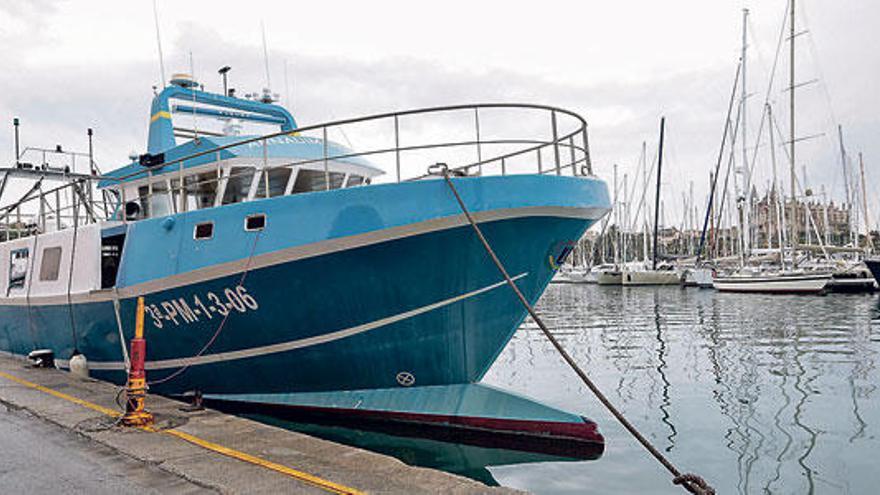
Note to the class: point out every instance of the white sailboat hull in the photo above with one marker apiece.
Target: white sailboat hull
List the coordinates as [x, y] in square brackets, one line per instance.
[651, 277]
[774, 284]
[698, 277]
[609, 278]
[574, 277]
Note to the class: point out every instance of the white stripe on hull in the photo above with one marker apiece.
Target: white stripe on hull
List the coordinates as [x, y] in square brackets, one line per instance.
[294, 344]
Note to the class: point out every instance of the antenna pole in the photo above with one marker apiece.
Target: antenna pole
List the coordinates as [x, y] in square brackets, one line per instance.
[159, 43]
[287, 87]
[192, 71]
[223, 71]
[91, 153]
[17, 155]
[266, 55]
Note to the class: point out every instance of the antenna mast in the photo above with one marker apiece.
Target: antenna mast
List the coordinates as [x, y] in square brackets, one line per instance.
[159, 44]
[266, 56]
[192, 71]
[17, 154]
[287, 87]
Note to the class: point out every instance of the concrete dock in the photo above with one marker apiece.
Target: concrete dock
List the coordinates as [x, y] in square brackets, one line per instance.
[58, 435]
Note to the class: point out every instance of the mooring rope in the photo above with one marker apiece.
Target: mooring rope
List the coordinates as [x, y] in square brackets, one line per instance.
[691, 482]
[220, 327]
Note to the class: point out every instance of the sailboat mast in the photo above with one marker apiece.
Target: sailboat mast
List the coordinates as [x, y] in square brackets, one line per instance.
[793, 216]
[692, 223]
[776, 191]
[657, 194]
[616, 209]
[870, 242]
[713, 179]
[744, 206]
[645, 211]
[625, 222]
[845, 181]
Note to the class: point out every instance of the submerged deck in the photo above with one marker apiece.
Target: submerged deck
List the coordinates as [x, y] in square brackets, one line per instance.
[208, 449]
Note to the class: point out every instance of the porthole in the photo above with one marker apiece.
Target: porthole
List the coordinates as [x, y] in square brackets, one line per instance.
[204, 231]
[254, 223]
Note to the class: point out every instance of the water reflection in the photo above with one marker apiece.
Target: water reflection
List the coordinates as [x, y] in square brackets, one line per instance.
[761, 394]
[466, 460]
[661, 367]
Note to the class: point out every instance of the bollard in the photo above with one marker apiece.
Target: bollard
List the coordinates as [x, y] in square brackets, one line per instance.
[136, 389]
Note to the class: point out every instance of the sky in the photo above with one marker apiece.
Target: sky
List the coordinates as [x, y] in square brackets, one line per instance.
[622, 65]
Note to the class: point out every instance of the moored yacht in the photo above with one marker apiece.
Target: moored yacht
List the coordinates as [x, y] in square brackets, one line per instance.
[663, 275]
[609, 275]
[772, 282]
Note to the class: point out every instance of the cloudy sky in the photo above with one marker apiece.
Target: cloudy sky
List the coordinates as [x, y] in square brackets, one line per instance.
[72, 65]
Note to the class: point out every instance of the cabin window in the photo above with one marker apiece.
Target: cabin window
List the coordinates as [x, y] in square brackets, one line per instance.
[204, 231]
[238, 185]
[355, 180]
[155, 204]
[255, 222]
[18, 267]
[50, 265]
[201, 190]
[315, 180]
[278, 179]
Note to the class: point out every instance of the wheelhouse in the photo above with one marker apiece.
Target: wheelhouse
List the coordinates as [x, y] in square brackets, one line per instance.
[210, 169]
[149, 193]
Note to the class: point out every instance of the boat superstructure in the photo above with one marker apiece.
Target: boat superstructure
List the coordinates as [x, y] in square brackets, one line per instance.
[278, 270]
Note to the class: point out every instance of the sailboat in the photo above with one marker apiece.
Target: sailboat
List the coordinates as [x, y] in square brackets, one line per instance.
[665, 275]
[759, 279]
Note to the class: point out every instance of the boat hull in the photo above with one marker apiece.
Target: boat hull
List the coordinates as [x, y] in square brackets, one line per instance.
[852, 285]
[786, 284]
[394, 304]
[874, 266]
[650, 277]
[698, 277]
[574, 277]
[474, 414]
[609, 278]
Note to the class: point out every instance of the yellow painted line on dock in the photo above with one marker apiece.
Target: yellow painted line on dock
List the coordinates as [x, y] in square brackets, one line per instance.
[62, 395]
[308, 478]
[316, 481]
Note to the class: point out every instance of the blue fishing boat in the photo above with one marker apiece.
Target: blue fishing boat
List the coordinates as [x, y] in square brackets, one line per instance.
[284, 272]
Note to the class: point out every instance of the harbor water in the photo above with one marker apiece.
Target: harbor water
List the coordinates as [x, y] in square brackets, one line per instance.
[758, 394]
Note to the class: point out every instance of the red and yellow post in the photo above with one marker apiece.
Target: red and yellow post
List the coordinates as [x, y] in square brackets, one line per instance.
[136, 390]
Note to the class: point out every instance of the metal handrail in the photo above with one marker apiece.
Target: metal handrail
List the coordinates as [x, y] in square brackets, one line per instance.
[582, 129]
[579, 160]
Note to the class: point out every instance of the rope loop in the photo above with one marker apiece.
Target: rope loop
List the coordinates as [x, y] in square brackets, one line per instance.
[694, 483]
